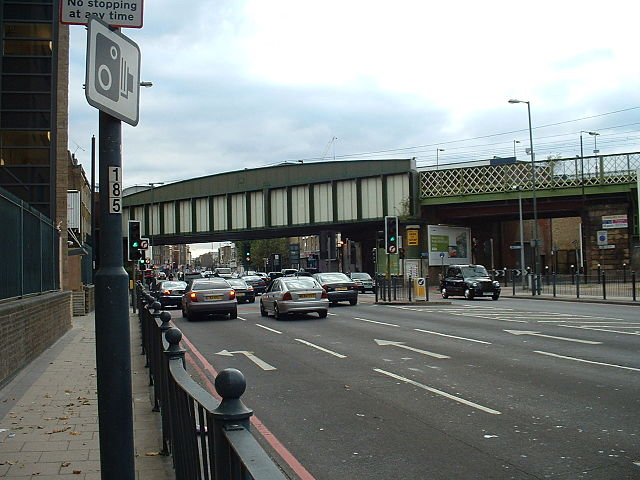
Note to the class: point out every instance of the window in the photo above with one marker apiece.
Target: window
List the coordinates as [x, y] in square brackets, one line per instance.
[27, 47]
[26, 101]
[28, 30]
[26, 65]
[20, 10]
[24, 156]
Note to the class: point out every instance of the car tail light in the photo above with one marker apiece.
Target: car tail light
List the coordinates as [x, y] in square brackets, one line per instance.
[193, 296]
[324, 294]
[250, 288]
[232, 294]
[326, 288]
[354, 286]
[287, 296]
[166, 292]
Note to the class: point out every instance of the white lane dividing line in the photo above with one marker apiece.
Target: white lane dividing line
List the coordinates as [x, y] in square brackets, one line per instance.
[538, 334]
[586, 361]
[582, 320]
[379, 323]
[243, 319]
[333, 314]
[270, 329]
[383, 343]
[439, 392]
[335, 354]
[498, 319]
[599, 329]
[452, 336]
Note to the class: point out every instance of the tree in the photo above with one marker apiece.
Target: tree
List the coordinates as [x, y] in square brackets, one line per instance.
[264, 248]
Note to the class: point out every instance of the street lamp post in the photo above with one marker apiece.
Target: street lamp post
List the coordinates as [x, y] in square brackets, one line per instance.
[536, 258]
[595, 144]
[152, 184]
[514, 147]
[438, 150]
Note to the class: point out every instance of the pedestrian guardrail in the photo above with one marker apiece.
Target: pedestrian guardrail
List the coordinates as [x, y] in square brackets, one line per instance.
[397, 288]
[603, 284]
[207, 439]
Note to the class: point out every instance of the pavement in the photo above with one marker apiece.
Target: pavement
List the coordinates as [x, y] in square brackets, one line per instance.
[49, 413]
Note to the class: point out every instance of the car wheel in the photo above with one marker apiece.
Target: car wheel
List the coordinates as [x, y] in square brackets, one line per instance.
[263, 312]
[353, 302]
[468, 294]
[233, 313]
[322, 314]
[276, 312]
[495, 297]
[444, 293]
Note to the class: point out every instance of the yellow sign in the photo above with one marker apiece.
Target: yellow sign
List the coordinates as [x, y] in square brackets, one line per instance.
[412, 237]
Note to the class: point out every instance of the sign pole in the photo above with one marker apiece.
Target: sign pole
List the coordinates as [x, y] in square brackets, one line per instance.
[113, 342]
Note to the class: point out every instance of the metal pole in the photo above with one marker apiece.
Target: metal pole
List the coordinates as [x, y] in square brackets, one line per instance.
[94, 241]
[536, 265]
[522, 265]
[113, 343]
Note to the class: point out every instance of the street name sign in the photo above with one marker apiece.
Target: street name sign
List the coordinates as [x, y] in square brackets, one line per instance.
[127, 14]
[112, 82]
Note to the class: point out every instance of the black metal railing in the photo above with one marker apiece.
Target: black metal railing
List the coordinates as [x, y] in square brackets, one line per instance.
[397, 288]
[207, 439]
[29, 247]
[604, 284]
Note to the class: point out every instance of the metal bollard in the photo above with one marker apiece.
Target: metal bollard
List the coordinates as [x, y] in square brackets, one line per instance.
[633, 285]
[577, 285]
[604, 286]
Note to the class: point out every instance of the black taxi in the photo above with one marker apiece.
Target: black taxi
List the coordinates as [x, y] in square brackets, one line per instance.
[470, 281]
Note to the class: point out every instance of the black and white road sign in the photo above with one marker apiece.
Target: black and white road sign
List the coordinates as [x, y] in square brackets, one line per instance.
[113, 72]
[114, 12]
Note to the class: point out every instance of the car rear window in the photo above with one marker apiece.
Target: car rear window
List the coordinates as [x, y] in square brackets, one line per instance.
[361, 276]
[173, 285]
[300, 283]
[210, 283]
[334, 277]
[237, 282]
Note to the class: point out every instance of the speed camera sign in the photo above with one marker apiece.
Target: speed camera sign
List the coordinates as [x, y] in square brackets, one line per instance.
[113, 72]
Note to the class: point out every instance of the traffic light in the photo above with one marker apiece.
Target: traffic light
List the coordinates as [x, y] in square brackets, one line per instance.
[247, 253]
[401, 252]
[391, 234]
[134, 240]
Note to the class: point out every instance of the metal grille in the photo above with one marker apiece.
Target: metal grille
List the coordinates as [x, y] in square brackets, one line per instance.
[558, 173]
[30, 251]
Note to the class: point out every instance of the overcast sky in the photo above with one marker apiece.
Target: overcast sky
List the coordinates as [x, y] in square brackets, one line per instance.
[248, 83]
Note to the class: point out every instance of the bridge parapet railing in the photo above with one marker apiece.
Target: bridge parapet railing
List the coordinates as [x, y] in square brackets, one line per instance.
[208, 439]
[552, 173]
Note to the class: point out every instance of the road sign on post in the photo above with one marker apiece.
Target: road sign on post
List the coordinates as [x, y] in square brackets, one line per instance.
[112, 82]
[118, 14]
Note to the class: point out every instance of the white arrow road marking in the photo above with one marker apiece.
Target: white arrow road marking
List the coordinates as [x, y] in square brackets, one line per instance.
[379, 323]
[587, 361]
[267, 328]
[261, 363]
[451, 336]
[406, 347]
[599, 329]
[439, 392]
[538, 334]
[335, 354]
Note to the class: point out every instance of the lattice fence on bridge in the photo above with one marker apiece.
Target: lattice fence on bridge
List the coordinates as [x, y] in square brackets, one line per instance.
[556, 173]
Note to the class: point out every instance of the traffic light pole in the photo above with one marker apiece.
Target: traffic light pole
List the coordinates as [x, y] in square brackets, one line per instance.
[113, 342]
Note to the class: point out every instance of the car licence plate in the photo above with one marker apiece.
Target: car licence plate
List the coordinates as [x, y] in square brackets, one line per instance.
[213, 297]
[342, 288]
[239, 294]
[307, 295]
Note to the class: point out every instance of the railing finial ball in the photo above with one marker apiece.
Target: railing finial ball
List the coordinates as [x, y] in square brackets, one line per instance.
[173, 335]
[230, 383]
[156, 305]
[165, 317]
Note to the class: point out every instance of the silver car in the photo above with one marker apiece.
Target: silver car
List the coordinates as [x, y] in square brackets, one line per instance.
[209, 295]
[294, 295]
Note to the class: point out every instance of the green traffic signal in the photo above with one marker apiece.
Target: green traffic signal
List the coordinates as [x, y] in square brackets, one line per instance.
[135, 244]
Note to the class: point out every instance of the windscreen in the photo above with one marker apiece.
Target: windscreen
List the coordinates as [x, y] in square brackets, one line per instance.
[475, 271]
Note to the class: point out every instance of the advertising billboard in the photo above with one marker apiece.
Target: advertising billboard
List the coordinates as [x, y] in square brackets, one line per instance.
[448, 245]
